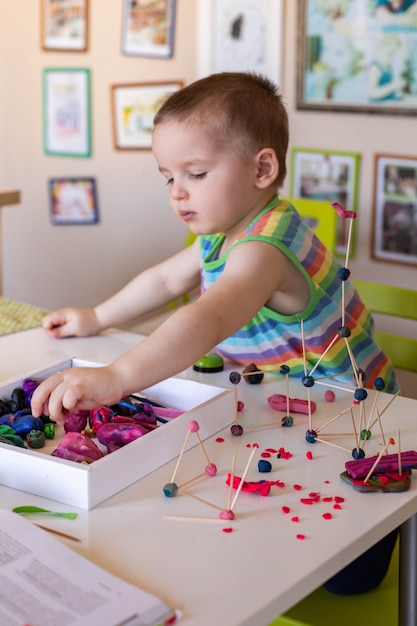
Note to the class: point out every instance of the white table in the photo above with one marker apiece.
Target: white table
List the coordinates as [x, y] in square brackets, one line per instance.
[249, 576]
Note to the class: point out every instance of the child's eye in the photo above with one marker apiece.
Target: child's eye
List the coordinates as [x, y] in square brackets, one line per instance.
[169, 181]
[198, 176]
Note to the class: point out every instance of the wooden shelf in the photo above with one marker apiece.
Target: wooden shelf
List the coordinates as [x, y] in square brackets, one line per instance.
[9, 196]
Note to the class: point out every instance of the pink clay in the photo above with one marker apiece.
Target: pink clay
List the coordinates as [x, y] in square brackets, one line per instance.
[226, 515]
[193, 426]
[211, 470]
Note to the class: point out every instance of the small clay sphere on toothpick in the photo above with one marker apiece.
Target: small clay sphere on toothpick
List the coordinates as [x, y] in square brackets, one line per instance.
[170, 490]
[236, 430]
[211, 469]
[360, 394]
[311, 436]
[287, 421]
[308, 381]
[229, 515]
[234, 378]
[358, 453]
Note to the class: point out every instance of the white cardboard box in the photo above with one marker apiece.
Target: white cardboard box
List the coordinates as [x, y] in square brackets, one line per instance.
[85, 486]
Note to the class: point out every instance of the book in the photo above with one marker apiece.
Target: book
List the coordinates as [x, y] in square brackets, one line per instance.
[42, 581]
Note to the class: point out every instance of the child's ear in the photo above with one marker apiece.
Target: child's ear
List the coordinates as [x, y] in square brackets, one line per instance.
[267, 168]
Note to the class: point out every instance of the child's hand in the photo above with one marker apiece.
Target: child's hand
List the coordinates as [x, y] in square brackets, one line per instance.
[71, 322]
[76, 389]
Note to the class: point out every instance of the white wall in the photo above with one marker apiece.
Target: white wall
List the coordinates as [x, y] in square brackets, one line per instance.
[52, 266]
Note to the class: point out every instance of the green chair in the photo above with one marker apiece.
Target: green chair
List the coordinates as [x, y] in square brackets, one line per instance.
[320, 217]
[395, 302]
[322, 608]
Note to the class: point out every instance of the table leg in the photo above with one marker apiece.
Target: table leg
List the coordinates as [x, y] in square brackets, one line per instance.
[407, 606]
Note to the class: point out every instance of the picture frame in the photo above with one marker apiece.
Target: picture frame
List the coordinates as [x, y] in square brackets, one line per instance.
[133, 109]
[148, 28]
[73, 200]
[67, 112]
[64, 25]
[360, 58]
[329, 176]
[240, 36]
[394, 233]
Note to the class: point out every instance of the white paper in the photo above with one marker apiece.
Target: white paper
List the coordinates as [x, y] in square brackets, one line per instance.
[45, 583]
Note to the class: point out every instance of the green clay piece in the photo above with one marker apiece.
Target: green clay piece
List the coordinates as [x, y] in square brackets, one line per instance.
[36, 439]
[28, 510]
[13, 440]
[209, 364]
[7, 430]
[49, 430]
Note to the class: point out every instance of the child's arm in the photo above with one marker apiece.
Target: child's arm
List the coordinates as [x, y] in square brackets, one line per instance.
[149, 290]
[255, 273]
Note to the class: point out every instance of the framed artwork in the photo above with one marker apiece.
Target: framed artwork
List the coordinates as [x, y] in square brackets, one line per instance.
[331, 177]
[64, 25]
[360, 56]
[148, 28]
[73, 200]
[395, 209]
[67, 102]
[134, 107]
[240, 36]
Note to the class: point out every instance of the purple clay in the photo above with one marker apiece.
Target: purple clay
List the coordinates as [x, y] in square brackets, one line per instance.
[236, 430]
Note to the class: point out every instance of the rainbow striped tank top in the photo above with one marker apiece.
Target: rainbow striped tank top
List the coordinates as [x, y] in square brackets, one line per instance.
[271, 339]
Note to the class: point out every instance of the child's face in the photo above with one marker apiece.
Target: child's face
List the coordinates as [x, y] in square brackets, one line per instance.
[210, 188]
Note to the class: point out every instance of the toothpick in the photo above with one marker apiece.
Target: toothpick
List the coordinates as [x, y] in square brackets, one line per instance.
[193, 519]
[242, 479]
[236, 403]
[332, 444]
[191, 480]
[232, 476]
[332, 419]
[257, 426]
[390, 441]
[334, 386]
[191, 495]
[203, 448]
[354, 429]
[334, 375]
[181, 455]
[56, 532]
[323, 354]
[303, 343]
[288, 394]
[310, 419]
[380, 414]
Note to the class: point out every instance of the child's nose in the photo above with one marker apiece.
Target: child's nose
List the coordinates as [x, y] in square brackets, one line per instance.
[178, 191]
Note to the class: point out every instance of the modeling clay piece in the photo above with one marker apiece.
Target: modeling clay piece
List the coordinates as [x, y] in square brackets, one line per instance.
[279, 402]
[253, 374]
[120, 434]
[263, 487]
[76, 422]
[77, 447]
[387, 476]
[36, 439]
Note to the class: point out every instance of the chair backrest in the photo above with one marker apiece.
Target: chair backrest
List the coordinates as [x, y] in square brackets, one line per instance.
[320, 217]
[395, 302]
